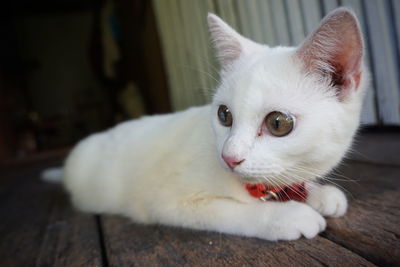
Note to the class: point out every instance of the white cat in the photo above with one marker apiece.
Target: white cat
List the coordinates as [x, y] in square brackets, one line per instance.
[280, 117]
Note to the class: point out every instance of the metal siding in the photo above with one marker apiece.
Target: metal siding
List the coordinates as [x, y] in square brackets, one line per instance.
[385, 68]
[192, 68]
[369, 114]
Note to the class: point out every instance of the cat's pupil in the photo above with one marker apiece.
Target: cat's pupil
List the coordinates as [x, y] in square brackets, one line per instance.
[276, 123]
[223, 115]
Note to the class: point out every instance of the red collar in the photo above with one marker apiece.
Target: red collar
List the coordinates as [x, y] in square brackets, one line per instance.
[296, 192]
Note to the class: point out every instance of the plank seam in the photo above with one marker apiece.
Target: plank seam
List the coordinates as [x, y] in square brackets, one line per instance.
[103, 250]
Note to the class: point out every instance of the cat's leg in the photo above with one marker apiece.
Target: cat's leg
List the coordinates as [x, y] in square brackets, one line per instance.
[327, 199]
[267, 220]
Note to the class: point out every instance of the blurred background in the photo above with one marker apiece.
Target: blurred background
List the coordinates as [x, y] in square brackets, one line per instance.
[69, 68]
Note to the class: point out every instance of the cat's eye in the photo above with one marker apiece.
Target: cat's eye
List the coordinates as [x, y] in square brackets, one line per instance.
[279, 124]
[225, 116]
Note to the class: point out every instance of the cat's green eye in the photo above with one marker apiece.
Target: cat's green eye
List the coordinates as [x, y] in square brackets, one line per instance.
[225, 116]
[279, 124]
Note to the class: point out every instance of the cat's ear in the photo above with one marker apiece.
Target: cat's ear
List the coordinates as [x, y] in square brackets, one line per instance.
[229, 44]
[335, 50]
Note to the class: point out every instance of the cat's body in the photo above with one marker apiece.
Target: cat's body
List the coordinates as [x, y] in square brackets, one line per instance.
[170, 169]
[135, 175]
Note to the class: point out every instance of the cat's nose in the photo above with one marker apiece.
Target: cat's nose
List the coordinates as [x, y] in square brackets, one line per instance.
[232, 162]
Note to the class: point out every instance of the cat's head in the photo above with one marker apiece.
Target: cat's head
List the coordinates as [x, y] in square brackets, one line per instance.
[282, 115]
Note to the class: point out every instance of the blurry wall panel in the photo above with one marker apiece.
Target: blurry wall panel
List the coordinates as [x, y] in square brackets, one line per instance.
[385, 60]
[192, 70]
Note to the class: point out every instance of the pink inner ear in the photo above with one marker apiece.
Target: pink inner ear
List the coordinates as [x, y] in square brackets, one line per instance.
[335, 49]
[225, 39]
[228, 44]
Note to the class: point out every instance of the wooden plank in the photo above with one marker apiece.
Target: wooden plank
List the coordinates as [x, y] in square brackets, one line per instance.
[296, 26]
[385, 67]
[131, 244]
[38, 226]
[71, 239]
[369, 113]
[370, 228]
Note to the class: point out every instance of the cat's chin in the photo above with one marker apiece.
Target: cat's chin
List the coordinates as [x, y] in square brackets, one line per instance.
[251, 180]
[254, 180]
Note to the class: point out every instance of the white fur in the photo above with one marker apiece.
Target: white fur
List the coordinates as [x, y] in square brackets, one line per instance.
[327, 200]
[167, 169]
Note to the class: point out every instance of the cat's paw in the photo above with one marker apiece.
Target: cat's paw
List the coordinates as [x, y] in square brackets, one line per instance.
[327, 200]
[295, 219]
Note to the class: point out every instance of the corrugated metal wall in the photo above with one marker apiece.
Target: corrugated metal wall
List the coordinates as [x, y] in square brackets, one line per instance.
[192, 70]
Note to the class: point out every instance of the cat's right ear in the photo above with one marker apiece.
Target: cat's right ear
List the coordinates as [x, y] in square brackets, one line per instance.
[335, 51]
[229, 44]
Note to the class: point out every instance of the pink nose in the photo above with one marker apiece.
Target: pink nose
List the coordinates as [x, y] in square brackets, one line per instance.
[232, 162]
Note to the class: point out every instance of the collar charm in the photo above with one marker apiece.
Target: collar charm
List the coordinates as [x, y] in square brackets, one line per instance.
[295, 192]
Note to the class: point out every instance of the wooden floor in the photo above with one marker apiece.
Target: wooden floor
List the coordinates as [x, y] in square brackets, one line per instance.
[38, 227]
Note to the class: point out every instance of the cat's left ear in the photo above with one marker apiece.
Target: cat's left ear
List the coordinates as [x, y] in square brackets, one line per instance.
[229, 44]
[335, 50]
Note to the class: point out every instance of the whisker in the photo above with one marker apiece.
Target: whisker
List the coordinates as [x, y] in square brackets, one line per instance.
[201, 72]
[302, 196]
[277, 178]
[345, 178]
[331, 182]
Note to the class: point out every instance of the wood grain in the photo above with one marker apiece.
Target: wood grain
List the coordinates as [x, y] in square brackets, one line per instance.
[70, 239]
[370, 228]
[38, 226]
[378, 148]
[130, 244]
